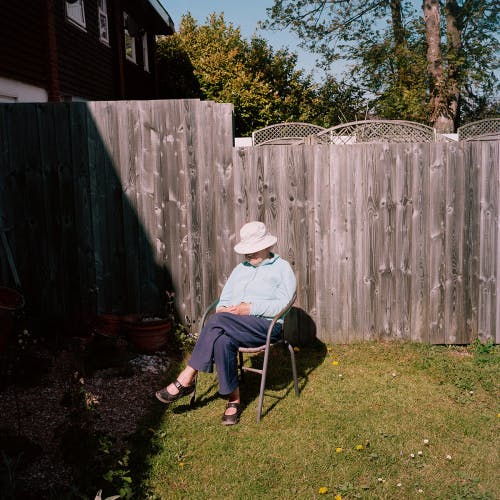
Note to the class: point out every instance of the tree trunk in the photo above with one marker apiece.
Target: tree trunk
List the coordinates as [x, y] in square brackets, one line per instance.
[440, 115]
[399, 38]
[397, 23]
[454, 37]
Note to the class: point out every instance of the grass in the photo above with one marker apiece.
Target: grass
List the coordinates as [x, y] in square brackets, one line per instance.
[357, 430]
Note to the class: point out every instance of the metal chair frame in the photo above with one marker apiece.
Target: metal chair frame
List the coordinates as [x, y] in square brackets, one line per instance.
[265, 348]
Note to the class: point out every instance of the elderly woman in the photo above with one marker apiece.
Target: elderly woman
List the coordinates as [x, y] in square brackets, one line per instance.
[257, 290]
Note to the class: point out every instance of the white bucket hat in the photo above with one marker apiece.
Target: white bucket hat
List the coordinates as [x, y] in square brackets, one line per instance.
[254, 237]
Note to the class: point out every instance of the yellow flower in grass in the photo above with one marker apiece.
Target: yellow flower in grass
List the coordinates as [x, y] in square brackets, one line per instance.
[359, 447]
[182, 464]
[323, 490]
[338, 497]
[338, 450]
[335, 363]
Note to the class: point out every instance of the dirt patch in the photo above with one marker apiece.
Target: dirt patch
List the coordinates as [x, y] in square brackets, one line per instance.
[460, 352]
[100, 388]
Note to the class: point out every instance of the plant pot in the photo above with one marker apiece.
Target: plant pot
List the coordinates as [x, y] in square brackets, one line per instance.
[109, 325]
[11, 301]
[147, 334]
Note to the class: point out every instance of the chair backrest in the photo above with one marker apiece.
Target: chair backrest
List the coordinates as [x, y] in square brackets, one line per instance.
[281, 315]
[207, 312]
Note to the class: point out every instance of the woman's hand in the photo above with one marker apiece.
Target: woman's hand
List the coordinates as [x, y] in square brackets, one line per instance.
[242, 309]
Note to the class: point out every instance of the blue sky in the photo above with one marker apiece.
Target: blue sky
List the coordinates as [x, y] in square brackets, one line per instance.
[245, 15]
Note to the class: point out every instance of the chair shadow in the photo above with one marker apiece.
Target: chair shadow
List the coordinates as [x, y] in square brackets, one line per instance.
[279, 375]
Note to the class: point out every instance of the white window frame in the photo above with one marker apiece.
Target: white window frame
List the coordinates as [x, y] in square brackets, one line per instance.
[129, 41]
[102, 12]
[145, 53]
[75, 13]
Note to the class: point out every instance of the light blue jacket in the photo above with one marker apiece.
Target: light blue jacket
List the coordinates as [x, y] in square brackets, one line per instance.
[267, 287]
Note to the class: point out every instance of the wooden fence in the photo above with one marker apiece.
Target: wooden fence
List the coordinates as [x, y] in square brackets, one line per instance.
[109, 204]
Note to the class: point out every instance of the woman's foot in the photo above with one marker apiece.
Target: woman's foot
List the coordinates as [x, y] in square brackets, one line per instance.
[166, 396]
[183, 386]
[232, 413]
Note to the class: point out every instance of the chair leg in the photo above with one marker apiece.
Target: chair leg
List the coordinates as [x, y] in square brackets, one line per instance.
[262, 383]
[294, 369]
[193, 395]
[240, 365]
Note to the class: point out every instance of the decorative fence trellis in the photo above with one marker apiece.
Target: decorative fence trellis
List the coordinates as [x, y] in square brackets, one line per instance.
[284, 133]
[364, 131]
[370, 131]
[108, 204]
[487, 129]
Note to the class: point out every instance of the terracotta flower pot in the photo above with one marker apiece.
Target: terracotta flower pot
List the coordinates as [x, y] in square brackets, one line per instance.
[147, 334]
[109, 325]
[11, 301]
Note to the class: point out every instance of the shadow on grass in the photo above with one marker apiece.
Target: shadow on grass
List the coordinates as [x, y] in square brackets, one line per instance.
[279, 376]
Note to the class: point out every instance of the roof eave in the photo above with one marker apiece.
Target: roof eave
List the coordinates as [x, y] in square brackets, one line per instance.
[165, 16]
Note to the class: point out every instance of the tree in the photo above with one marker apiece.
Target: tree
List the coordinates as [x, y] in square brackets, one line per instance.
[226, 68]
[213, 61]
[419, 67]
[335, 103]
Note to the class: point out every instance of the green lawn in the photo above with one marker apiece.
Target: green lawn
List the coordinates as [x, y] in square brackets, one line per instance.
[356, 431]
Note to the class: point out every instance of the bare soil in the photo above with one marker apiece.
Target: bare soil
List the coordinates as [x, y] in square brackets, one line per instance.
[100, 385]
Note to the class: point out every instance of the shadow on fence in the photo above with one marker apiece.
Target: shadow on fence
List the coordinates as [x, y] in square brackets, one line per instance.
[78, 243]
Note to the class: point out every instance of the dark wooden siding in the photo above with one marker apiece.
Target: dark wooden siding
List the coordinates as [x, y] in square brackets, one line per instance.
[23, 51]
[87, 67]
[85, 63]
[140, 84]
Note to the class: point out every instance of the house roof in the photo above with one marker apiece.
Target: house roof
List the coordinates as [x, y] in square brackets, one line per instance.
[165, 17]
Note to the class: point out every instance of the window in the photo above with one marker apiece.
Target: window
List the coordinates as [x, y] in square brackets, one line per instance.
[130, 31]
[75, 12]
[103, 21]
[145, 55]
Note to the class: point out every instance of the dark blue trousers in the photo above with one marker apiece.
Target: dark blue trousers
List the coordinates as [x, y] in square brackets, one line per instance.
[219, 341]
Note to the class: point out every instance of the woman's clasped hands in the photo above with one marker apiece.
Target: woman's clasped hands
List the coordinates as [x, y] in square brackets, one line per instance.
[243, 309]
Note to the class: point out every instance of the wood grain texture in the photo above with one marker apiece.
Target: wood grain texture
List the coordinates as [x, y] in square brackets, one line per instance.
[123, 201]
[488, 236]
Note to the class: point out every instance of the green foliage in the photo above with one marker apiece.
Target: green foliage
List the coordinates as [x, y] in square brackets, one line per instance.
[185, 338]
[182, 331]
[8, 470]
[93, 456]
[386, 42]
[479, 347]
[120, 478]
[335, 103]
[214, 62]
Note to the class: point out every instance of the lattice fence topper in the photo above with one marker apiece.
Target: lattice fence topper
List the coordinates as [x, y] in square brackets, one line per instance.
[284, 133]
[379, 131]
[487, 129]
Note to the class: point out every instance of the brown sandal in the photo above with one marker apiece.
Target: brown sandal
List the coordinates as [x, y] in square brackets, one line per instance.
[235, 417]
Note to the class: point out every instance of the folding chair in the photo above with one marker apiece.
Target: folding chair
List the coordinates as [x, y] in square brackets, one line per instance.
[265, 348]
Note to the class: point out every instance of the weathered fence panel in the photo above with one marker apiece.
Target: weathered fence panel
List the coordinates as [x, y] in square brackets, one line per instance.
[107, 205]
